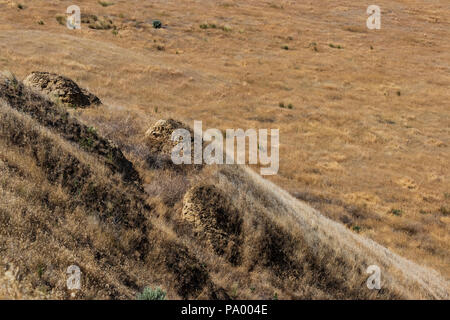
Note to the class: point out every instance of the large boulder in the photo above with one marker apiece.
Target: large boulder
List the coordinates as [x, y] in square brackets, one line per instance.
[60, 88]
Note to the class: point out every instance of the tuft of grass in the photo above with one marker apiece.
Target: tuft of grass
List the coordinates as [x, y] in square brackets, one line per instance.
[284, 106]
[157, 24]
[226, 28]
[356, 228]
[285, 47]
[40, 22]
[152, 294]
[102, 25]
[10, 79]
[92, 130]
[87, 143]
[105, 3]
[336, 46]
[275, 6]
[313, 45]
[40, 271]
[205, 26]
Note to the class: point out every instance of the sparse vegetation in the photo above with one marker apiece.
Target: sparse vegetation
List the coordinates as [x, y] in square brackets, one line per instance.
[105, 3]
[444, 211]
[61, 20]
[226, 28]
[157, 24]
[396, 212]
[208, 26]
[285, 106]
[98, 23]
[313, 45]
[214, 26]
[88, 173]
[352, 148]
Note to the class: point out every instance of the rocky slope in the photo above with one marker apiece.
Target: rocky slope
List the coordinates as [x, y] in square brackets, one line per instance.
[70, 196]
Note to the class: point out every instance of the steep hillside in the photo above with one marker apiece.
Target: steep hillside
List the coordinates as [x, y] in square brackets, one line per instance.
[363, 115]
[71, 197]
[129, 219]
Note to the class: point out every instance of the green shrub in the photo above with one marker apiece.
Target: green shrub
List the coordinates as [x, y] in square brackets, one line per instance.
[335, 46]
[152, 294]
[157, 24]
[444, 211]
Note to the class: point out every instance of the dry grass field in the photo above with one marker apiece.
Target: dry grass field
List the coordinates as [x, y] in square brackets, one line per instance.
[365, 142]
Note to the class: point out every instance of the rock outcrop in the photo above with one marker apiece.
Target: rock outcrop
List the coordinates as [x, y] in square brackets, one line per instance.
[214, 219]
[61, 89]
